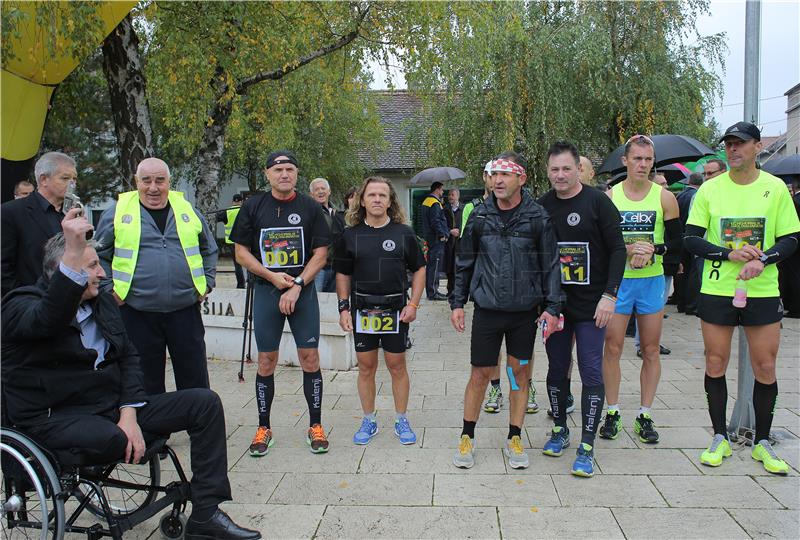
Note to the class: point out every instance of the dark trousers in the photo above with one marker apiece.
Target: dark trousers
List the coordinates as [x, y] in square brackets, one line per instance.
[99, 440]
[237, 270]
[434, 265]
[182, 332]
[687, 284]
[789, 284]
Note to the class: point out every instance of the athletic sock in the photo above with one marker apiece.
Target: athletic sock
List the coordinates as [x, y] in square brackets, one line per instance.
[372, 417]
[496, 383]
[644, 410]
[569, 386]
[265, 392]
[591, 411]
[514, 431]
[468, 429]
[613, 409]
[717, 398]
[312, 388]
[557, 392]
[765, 396]
[398, 416]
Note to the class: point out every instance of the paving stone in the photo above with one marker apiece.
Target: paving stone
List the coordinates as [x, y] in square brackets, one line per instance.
[786, 490]
[535, 522]
[408, 522]
[676, 437]
[668, 523]
[286, 459]
[277, 520]
[768, 523]
[739, 464]
[245, 491]
[713, 492]
[491, 490]
[428, 461]
[485, 437]
[634, 461]
[354, 489]
[608, 491]
[384, 404]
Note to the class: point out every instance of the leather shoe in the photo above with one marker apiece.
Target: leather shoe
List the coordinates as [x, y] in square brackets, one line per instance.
[219, 527]
[439, 296]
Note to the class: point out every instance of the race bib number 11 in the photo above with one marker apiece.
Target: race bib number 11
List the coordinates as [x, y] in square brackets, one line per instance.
[574, 260]
[377, 321]
[282, 247]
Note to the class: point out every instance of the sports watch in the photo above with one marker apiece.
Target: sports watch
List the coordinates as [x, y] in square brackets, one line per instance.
[299, 281]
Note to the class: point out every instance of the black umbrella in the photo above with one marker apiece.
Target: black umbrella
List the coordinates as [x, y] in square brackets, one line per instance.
[437, 174]
[787, 167]
[669, 149]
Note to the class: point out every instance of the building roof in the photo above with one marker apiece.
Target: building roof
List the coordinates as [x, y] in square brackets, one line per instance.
[792, 90]
[772, 144]
[401, 116]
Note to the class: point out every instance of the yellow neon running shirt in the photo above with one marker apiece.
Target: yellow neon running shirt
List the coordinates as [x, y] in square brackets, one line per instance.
[641, 221]
[735, 215]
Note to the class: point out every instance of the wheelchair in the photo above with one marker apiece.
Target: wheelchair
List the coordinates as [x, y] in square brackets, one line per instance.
[50, 494]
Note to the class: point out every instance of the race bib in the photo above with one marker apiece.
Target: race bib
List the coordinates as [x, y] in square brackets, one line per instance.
[737, 232]
[377, 321]
[282, 247]
[574, 260]
[632, 238]
[638, 226]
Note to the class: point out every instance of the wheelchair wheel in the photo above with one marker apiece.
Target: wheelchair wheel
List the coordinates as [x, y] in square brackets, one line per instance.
[172, 526]
[33, 506]
[127, 488]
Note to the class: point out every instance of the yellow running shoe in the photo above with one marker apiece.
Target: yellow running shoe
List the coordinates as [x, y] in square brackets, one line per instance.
[764, 453]
[718, 450]
[464, 458]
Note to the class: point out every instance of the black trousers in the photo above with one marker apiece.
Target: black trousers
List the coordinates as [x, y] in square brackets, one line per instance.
[434, 265]
[789, 283]
[99, 440]
[237, 270]
[182, 332]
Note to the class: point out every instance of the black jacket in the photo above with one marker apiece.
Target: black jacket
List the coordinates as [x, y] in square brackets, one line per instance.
[25, 230]
[512, 267]
[46, 370]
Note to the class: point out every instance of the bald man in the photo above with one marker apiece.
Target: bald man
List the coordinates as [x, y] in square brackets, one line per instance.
[586, 170]
[162, 259]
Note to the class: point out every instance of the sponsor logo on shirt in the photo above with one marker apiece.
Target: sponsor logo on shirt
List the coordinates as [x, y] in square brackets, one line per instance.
[388, 245]
[294, 219]
[573, 219]
[637, 220]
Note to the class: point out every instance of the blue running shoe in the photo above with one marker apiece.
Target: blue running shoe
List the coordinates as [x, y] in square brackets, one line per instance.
[404, 432]
[584, 461]
[559, 439]
[365, 433]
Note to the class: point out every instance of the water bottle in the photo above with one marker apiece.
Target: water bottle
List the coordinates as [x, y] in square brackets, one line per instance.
[740, 295]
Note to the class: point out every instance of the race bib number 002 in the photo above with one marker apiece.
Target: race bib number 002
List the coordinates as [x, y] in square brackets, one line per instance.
[574, 260]
[377, 321]
[737, 232]
[282, 247]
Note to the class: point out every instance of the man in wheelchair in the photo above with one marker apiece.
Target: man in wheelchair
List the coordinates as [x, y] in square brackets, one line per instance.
[71, 380]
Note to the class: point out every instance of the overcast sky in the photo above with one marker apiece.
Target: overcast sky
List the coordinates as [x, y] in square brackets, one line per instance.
[780, 60]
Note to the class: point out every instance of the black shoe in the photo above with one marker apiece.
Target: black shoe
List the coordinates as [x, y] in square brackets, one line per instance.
[439, 296]
[219, 527]
[643, 426]
[663, 350]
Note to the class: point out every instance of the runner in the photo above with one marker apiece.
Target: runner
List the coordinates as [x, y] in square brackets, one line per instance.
[648, 216]
[281, 238]
[592, 259]
[508, 264]
[379, 244]
[750, 224]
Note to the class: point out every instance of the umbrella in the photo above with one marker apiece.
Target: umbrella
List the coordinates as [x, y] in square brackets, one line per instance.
[674, 172]
[437, 174]
[669, 149]
[787, 168]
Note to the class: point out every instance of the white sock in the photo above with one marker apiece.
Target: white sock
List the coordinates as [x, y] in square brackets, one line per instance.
[613, 408]
[644, 410]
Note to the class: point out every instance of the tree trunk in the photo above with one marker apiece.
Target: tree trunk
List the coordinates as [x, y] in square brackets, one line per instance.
[209, 159]
[122, 65]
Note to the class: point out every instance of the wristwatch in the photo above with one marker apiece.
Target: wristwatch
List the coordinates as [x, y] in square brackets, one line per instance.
[299, 281]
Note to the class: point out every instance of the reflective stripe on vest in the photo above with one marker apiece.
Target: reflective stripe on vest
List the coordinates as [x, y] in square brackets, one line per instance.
[231, 219]
[128, 234]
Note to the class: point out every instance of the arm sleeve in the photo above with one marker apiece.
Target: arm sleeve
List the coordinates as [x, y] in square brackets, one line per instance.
[615, 244]
[549, 266]
[466, 253]
[209, 251]
[699, 246]
[104, 236]
[673, 237]
[783, 248]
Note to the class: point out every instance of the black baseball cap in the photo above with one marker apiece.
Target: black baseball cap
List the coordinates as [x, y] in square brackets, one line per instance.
[742, 130]
[237, 197]
[287, 155]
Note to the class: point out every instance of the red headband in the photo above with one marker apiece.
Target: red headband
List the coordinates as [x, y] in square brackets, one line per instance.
[506, 165]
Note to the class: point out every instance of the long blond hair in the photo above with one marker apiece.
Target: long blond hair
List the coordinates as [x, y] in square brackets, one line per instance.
[356, 213]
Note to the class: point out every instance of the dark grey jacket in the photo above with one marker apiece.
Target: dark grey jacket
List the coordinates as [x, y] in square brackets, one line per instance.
[511, 267]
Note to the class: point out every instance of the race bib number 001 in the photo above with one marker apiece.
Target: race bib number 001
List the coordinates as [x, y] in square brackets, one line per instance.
[737, 232]
[574, 260]
[282, 247]
[377, 321]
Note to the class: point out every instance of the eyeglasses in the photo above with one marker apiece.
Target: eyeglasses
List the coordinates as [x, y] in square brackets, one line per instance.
[645, 138]
[711, 173]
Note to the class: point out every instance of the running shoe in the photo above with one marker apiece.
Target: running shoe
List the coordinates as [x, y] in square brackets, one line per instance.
[316, 439]
[764, 453]
[517, 458]
[718, 450]
[494, 401]
[365, 433]
[570, 405]
[584, 461]
[464, 458]
[559, 439]
[262, 442]
[612, 425]
[532, 406]
[644, 427]
[404, 432]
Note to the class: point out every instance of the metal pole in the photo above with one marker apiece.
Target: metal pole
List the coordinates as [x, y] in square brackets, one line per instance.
[743, 418]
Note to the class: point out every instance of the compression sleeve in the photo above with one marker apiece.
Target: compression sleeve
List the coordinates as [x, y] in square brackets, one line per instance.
[697, 245]
[783, 248]
[673, 237]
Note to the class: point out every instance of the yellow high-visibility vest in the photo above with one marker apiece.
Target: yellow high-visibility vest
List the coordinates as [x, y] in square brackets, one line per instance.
[231, 215]
[128, 233]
